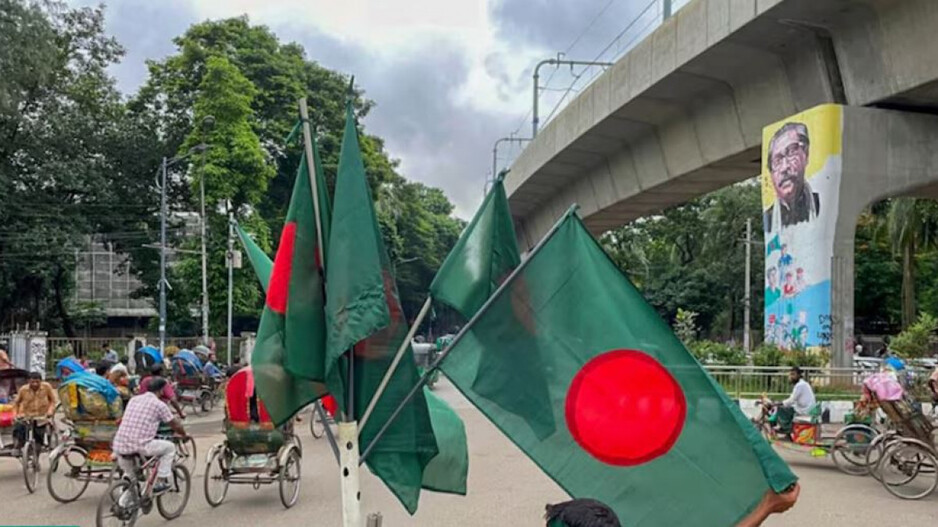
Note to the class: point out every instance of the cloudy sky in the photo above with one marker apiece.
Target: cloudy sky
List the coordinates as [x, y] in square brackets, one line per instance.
[449, 77]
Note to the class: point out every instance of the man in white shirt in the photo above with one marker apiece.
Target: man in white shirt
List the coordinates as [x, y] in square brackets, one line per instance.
[800, 402]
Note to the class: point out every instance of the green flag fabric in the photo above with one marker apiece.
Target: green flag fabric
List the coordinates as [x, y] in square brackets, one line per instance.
[261, 263]
[448, 470]
[363, 313]
[289, 355]
[636, 421]
[482, 257]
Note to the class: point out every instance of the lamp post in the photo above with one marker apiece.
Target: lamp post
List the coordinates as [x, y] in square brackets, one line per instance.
[164, 283]
[207, 123]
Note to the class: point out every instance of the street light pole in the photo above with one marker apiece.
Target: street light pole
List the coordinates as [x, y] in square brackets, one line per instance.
[509, 139]
[747, 345]
[207, 122]
[230, 274]
[163, 255]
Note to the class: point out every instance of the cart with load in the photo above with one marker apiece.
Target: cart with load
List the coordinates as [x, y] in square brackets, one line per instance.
[92, 408]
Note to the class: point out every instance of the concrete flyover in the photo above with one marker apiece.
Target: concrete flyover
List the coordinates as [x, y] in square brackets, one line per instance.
[682, 113]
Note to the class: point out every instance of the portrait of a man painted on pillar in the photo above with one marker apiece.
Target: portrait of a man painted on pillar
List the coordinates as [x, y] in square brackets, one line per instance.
[801, 172]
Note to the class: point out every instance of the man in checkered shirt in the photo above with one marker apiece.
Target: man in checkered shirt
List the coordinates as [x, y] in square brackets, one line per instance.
[137, 431]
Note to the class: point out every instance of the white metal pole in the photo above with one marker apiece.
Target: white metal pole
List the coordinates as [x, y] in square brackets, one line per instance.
[351, 495]
[204, 260]
[230, 275]
[163, 256]
[397, 359]
[747, 344]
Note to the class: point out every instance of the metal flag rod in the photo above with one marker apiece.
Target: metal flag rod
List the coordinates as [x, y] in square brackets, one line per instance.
[465, 329]
[311, 171]
[393, 367]
[323, 418]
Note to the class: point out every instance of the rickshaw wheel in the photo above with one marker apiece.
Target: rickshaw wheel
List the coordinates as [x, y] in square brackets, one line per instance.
[64, 478]
[206, 402]
[290, 479]
[316, 426]
[908, 469]
[172, 502]
[216, 478]
[850, 448]
[875, 453]
[30, 461]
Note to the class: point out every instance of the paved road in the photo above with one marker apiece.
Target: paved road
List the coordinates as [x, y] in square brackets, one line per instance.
[504, 489]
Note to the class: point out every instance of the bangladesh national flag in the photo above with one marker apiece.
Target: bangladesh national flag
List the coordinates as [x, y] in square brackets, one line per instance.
[289, 355]
[639, 425]
[259, 260]
[363, 312]
[482, 258]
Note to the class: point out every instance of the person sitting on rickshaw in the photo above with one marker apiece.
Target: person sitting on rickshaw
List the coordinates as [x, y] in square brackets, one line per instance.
[168, 393]
[800, 402]
[210, 370]
[35, 400]
[5, 363]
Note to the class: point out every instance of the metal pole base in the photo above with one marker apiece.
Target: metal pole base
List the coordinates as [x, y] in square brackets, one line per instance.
[351, 494]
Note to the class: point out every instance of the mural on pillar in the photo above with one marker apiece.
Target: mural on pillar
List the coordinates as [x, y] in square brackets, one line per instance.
[800, 192]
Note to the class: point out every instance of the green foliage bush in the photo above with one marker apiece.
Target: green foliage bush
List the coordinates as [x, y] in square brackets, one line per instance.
[917, 340]
[710, 352]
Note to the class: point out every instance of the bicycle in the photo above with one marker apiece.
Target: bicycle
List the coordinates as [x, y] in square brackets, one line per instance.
[317, 426]
[186, 453]
[29, 453]
[130, 494]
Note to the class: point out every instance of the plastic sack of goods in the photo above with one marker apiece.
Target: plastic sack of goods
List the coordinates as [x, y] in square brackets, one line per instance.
[87, 396]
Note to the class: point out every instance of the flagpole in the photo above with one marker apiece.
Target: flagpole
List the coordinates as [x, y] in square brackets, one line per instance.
[348, 430]
[465, 329]
[397, 359]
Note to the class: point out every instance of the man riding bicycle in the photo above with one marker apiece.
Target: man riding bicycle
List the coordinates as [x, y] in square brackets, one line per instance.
[137, 431]
[35, 400]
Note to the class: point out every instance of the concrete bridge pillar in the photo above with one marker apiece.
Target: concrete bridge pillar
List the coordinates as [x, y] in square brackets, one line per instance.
[848, 158]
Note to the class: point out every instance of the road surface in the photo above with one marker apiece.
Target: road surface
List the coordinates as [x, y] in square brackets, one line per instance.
[505, 488]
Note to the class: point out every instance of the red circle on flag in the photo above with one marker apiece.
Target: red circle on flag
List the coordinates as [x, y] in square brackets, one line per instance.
[625, 408]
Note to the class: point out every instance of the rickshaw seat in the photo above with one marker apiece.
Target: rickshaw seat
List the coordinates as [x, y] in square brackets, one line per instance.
[813, 416]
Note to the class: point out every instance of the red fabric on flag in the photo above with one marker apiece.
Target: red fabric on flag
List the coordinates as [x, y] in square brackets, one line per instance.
[279, 289]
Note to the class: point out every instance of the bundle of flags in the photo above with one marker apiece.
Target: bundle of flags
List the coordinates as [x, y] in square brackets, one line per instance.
[560, 352]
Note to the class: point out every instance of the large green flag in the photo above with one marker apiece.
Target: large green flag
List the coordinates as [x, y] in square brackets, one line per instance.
[482, 257]
[363, 313]
[289, 356]
[639, 423]
[261, 263]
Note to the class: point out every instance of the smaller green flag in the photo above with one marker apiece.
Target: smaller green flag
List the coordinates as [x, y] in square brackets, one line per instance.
[482, 257]
[449, 469]
[261, 263]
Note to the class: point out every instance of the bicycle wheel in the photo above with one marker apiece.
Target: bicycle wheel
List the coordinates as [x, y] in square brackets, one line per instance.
[186, 453]
[290, 479]
[172, 502]
[216, 478]
[316, 426]
[850, 448]
[65, 480]
[30, 460]
[118, 506]
[206, 402]
[909, 470]
[875, 453]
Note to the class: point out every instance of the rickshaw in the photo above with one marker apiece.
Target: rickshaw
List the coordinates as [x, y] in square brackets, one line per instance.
[145, 358]
[191, 385]
[905, 459]
[92, 408]
[847, 448]
[254, 451]
[11, 381]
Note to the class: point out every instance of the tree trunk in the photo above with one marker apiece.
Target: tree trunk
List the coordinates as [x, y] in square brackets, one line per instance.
[908, 284]
[59, 283]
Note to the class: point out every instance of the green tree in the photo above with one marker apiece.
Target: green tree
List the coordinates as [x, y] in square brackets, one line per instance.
[70, 157]
[235, 171]
[912, 225]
